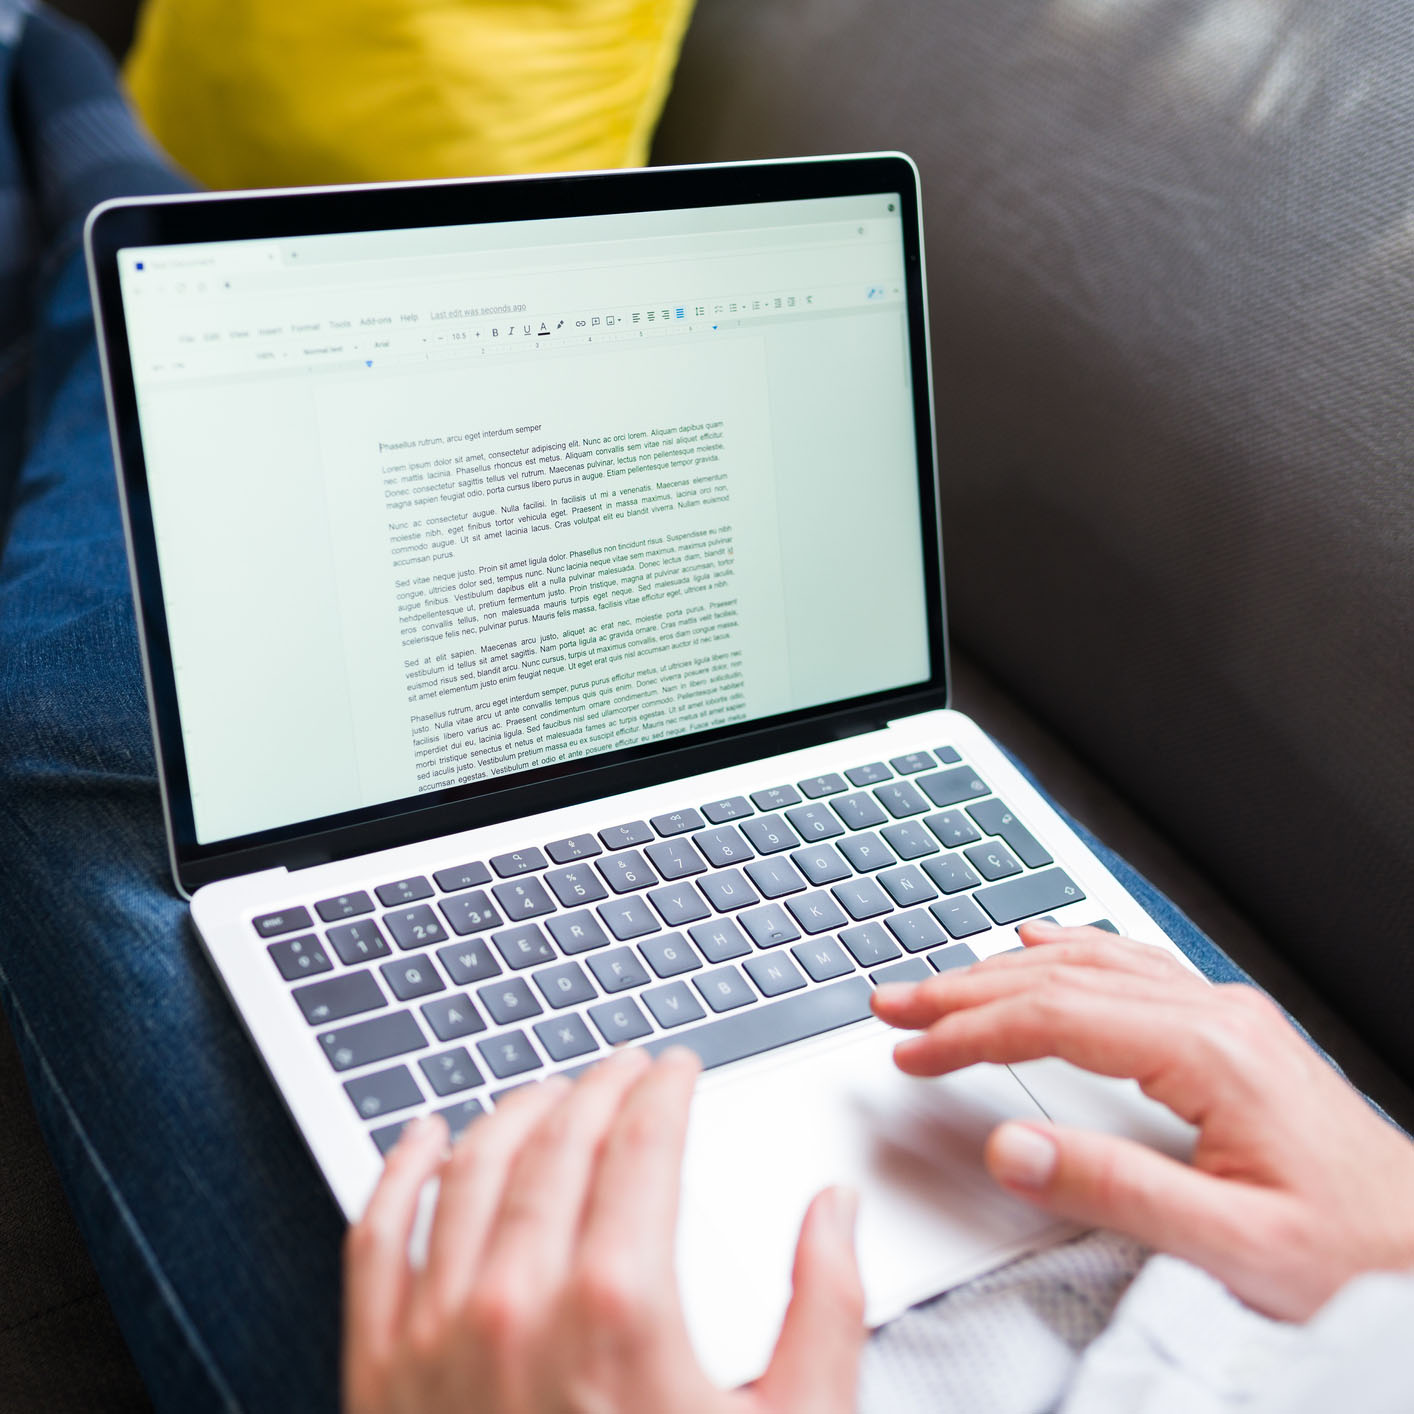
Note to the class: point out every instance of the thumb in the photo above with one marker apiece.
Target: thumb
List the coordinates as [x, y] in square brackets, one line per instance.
[816, 1363]
[1102, 1181]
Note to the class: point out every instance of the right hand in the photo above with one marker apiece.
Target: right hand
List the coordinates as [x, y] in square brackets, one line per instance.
[1295, 1186]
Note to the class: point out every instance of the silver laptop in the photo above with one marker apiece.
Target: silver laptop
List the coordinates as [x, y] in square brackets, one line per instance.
[541, 596]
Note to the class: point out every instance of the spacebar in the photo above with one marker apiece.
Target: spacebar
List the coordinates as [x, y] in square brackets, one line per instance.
[763, 1028]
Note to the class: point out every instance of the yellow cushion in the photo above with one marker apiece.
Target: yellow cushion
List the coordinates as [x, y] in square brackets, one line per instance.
[249, 93]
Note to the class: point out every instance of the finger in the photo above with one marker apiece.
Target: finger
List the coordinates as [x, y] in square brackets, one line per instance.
[630, 1218]
[1083, 965]
[377, 1276]
[816, 1362]
[472, 1181]
[1101, 1181]
[1166, 1046]
[534, 1229]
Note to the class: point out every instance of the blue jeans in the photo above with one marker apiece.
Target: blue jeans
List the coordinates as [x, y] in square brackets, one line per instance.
[206, 1219]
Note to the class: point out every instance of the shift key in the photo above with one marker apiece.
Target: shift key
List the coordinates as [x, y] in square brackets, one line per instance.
[1031, 894]
[375, 1040]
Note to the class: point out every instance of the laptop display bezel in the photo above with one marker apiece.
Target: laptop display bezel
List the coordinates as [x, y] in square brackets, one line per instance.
[249, 216]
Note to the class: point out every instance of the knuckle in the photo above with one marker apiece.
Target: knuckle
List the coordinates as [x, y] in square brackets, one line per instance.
[497, 1314]
[610, 1295]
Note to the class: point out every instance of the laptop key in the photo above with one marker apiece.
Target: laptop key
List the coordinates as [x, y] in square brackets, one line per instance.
[410, 977]
[814, 822]
[774, 878]
[676, 822]
[770, 834]
[775, 975]
[1015, 899]
[813, 787]
[816, 913]
[383, 1092]
[577, 932]
[454, 1016]
[728, 890]
[357, 942]
[869, 775]
[472, 961]
[992, 861]
[565, 1037]
[954, 955]
[909, 840]
[564, 985]
[518, 861]
[953, 828]
[911, 969]
[625, 872]
[776, 798]
[415, 927]
[524, 946]
[619, 1021]
[912, 763]
[678, 904]
[947, 755]
[723, 846]
[951, 873]
[670, 956]
[331, 910]
[916, 929]
[732, 807]
[822, 958]
[341, 996]
[450, 1071]
[509, 1054]
[673, 1005]
[403, 891]
[949, 787]
[626, 836]
[675, 859]
[861, 898]
[725, 989]
[509, 1001]
[461, 876]
[576, 884]
[901, 799]
[870, 944]
[763, 1028]
[960, 916]
[628, 918]
[1103, 924]
[389, 1135]
[906, 885]
[867, 852]
[271, 925]
[859, 811]
[471, 913]
[719, 940]
[768, 927]
[460, 1115]
[576, 847]
[821, 864]
[300, 957]
[392, 1034]
[522, 899]
[617, 970]
[996, 819]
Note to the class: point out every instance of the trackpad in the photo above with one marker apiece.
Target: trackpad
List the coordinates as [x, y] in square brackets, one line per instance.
[767, 1136]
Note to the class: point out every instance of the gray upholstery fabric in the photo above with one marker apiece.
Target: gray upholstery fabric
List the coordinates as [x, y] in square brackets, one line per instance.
[1171, 265]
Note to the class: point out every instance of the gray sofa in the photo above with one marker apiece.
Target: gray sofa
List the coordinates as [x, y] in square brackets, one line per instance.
[1172, 295]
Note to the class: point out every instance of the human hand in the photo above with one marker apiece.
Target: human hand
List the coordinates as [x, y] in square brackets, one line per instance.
[1295, 1185]
[549, 1282]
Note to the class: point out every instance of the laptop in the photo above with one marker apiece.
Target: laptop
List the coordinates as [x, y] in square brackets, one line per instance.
[541, 597]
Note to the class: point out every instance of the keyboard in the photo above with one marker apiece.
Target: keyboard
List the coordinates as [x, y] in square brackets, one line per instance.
[733, 927]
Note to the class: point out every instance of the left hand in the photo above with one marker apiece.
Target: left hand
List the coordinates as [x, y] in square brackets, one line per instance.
[549, 1283]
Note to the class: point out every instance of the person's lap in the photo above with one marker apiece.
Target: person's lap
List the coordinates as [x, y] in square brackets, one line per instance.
[209, 1226]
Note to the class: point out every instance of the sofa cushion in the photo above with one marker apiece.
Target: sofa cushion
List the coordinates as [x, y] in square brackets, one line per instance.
[1171, 286]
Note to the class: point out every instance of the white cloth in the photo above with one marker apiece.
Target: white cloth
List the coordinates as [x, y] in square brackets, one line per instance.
[1092, 1327]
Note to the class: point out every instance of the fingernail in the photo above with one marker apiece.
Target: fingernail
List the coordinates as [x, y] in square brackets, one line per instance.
[1038, 925]
[1023, 1156]
[894, 993]
[844, 1211]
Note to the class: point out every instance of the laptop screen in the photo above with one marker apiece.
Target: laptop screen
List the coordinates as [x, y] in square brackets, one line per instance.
[451, 503]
